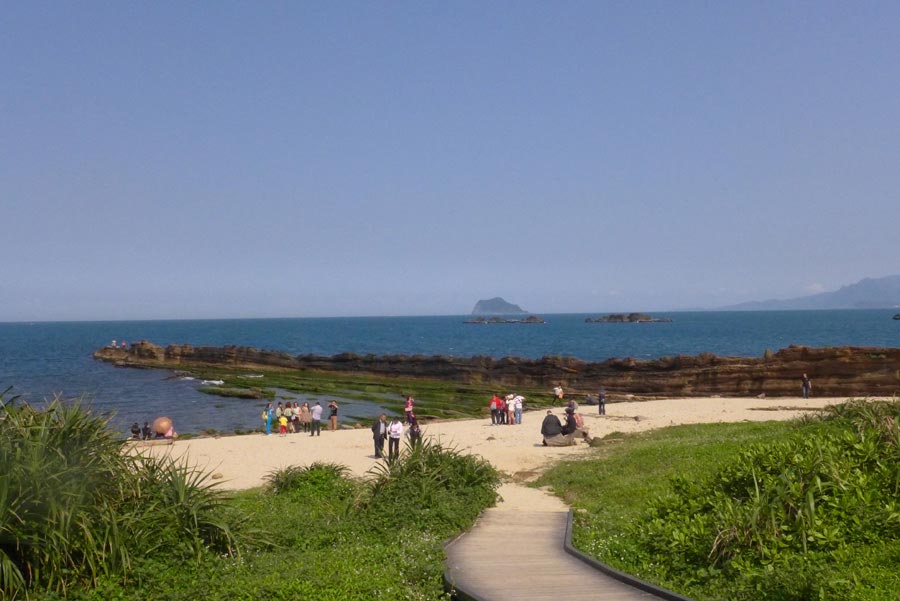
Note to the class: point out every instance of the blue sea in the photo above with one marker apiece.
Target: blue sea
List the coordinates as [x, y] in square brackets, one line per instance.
[40, 360]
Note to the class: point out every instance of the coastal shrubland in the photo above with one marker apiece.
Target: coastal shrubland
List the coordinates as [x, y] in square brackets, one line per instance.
[775, 511]
[83, 520]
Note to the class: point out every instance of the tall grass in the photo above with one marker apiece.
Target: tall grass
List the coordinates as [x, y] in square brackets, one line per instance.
[74, 508]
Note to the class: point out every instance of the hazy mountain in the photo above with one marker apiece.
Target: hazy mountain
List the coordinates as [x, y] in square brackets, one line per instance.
[868, 293]
[496, 306]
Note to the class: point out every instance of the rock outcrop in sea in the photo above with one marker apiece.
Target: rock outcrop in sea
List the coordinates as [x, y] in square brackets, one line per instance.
[628, 318]
[844, 371]
[497, 306]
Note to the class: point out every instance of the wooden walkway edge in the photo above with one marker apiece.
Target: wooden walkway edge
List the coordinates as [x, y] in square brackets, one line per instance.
[516, 553]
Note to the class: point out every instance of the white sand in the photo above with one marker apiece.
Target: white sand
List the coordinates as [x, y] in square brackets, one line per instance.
[243, 461]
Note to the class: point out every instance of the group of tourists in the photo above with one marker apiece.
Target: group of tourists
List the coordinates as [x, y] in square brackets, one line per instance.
[293, 418]
[506, 411]
[393, 431]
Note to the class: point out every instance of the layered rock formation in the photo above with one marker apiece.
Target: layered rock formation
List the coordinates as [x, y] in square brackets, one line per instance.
[834, 371]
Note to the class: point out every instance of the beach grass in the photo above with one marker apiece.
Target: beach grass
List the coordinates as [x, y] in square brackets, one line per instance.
[81, 519]
[774, 510]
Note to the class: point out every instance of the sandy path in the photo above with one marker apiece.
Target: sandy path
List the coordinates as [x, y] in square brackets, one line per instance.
[243, 461]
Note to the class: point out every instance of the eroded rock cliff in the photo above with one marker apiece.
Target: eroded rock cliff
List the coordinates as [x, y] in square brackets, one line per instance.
[834, 371]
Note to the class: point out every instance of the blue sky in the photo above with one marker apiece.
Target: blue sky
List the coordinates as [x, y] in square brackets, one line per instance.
[185, 160]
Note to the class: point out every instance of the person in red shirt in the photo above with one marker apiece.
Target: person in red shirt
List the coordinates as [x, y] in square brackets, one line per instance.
[496, 402]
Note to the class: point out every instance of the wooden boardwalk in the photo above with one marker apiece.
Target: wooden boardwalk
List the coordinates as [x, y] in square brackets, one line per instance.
[517, 553]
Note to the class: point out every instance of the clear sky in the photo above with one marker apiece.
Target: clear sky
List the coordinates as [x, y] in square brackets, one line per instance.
[184, 160]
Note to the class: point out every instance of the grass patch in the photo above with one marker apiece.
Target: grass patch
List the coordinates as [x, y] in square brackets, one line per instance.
[774, 511]
[435, 399]
[80, 519]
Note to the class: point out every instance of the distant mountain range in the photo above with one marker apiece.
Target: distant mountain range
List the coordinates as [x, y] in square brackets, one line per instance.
[868, 293]
[496, 306]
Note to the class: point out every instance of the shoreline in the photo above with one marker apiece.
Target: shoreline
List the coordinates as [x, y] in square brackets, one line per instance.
[241, 462]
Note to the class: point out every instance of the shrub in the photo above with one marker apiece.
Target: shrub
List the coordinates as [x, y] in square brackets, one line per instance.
[430, 487]
[74, 508]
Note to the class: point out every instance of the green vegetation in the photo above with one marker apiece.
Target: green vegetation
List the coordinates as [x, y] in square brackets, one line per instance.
[437, 398]
[240, 393]
[82, 520]
[774, 511]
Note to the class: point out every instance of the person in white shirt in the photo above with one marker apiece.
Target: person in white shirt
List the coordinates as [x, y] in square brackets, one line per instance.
[395, 431]
[558, 393]
[518, 403]
[316, 424]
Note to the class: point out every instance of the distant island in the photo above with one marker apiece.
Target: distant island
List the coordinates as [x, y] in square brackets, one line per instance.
[897, 316]
[868, 293]
[627, 318]
[488, 320]
[497, 306]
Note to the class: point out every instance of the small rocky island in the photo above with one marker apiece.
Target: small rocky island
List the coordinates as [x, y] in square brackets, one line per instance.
[897, 316]
[497, 306]
[627, 318]
[488, 320]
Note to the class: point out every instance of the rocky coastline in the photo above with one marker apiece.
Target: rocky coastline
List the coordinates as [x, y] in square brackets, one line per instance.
[834, 371]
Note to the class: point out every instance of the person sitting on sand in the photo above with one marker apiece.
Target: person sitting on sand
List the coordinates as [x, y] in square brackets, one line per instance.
[135, 431]
[551, 430]
[146, 432]
[570, 426]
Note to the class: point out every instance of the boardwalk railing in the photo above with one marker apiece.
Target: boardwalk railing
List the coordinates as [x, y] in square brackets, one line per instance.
[614, 573]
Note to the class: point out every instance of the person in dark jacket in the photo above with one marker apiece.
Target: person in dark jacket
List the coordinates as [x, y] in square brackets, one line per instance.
[570, 425]
[551, 426]
[379, 434]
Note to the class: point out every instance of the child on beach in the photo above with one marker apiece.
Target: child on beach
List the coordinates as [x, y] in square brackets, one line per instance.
[282, 426]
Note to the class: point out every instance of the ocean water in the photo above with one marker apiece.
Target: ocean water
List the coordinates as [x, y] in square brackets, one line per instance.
[42, 359]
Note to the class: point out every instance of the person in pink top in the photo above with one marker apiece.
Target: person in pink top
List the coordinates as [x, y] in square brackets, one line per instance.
[408, 408]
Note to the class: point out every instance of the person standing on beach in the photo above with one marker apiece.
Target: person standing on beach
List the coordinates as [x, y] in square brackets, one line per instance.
[268, 414]
[601, 401]
[805, 386]
[315, 425]
[558, 393]
[395, 431]
[282, 425]
[379, 433]
[495, 409]
[289, 414]
[332, 418]
[305, 417]
[409, 408]
[518, 404]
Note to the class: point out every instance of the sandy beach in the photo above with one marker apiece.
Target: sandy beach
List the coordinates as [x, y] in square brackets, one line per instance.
[241, 462]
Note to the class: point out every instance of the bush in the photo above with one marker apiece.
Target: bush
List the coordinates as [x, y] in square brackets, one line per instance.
[430, 488]
[775, 519]
[74, 508]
